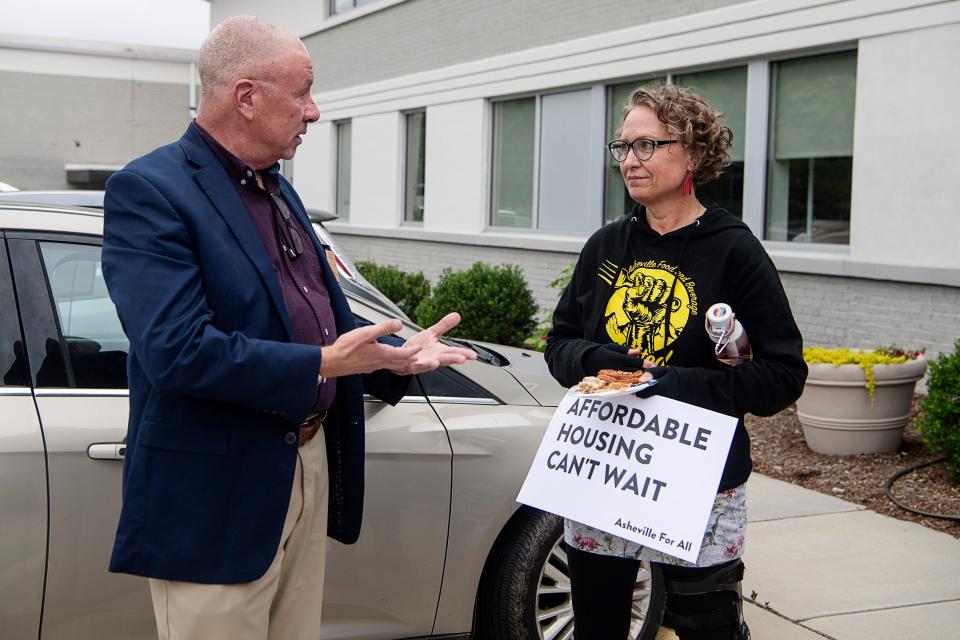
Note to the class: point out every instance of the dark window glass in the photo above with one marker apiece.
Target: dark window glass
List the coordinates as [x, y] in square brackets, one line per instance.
[13, 361]
[725, 90]
[96, 345]
[447, 382]
[726, 190]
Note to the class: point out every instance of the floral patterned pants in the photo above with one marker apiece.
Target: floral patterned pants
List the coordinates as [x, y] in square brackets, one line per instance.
[722, 540]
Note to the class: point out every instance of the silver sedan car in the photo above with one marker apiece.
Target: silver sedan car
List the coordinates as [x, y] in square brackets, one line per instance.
[445, 551]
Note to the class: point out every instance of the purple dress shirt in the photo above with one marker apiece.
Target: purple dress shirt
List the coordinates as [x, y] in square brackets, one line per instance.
[304, 293]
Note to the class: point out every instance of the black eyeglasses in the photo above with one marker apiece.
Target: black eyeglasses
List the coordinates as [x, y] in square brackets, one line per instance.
[643, 148]
[290, 241]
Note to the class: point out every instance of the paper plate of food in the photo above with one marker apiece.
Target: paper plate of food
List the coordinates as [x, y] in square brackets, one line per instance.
[610, 382]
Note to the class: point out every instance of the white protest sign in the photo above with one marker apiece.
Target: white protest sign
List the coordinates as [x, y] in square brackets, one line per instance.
[644, 469]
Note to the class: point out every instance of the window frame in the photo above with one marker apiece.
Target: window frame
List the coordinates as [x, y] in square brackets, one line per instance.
[765, 165]
[11, 328]
[36, 301]
[596, 130]
[493, 138]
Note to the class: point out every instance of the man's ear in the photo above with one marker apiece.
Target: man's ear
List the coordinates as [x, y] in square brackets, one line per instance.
[243, 98]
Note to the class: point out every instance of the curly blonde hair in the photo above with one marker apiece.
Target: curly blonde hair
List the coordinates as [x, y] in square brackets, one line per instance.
[690, 119]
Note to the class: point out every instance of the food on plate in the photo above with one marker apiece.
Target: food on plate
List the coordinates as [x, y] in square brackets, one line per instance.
[608, 380]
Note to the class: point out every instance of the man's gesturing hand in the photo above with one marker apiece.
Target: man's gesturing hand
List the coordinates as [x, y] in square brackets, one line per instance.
[433, 353]
[358, 351]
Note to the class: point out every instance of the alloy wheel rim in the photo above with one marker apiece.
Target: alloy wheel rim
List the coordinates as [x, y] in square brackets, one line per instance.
[554, 605]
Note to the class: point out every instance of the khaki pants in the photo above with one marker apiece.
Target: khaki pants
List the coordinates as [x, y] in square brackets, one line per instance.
[284, 603]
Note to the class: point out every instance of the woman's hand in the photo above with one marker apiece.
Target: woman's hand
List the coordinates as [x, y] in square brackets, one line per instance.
[646, 363]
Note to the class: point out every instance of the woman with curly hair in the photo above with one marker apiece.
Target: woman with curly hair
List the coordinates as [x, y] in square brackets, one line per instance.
[636, 300]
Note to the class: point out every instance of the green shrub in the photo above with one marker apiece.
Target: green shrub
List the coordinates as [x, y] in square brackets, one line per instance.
[495, 303]
[406, 290]
[939, 421]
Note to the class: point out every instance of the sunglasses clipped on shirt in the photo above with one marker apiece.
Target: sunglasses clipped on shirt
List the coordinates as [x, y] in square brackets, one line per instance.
[290, 241]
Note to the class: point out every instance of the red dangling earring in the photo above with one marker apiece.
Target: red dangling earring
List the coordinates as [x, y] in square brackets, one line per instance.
[688, 184]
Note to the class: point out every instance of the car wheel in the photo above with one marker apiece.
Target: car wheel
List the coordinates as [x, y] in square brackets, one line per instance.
[525, 592]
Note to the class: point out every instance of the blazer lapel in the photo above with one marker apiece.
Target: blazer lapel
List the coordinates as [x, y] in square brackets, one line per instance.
[223, 195]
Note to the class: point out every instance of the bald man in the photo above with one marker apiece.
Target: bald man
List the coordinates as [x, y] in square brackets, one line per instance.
[246, 368]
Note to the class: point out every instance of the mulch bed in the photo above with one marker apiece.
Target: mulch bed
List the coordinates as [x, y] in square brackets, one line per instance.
[779, 451]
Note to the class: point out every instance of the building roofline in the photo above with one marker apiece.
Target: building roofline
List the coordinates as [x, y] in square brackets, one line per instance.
[96, 48]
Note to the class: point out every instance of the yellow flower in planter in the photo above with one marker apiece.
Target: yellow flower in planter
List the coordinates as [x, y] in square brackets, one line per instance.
[837, 418]
[866, 359]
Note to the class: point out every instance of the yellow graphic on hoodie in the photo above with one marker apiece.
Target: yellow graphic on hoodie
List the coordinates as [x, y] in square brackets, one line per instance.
[636, 313]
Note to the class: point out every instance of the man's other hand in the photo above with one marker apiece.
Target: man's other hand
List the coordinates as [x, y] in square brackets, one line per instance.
[358, 351]
[433, 353]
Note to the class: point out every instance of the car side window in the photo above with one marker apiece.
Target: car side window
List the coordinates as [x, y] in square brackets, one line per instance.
[450, 383]
[96, 345]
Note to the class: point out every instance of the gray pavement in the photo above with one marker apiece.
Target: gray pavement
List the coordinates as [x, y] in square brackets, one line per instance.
[821, 567]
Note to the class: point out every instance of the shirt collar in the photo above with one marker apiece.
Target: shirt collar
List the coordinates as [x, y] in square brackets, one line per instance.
[237, 169]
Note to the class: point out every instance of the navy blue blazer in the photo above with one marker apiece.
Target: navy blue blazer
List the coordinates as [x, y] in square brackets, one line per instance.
[217, 386]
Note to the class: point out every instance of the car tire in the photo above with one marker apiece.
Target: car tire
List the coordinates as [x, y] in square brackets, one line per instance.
[525, 591]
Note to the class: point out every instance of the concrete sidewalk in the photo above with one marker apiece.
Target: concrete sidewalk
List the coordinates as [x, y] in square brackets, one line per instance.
[826, 568]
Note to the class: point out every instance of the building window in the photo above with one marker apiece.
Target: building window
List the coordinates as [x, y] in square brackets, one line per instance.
[811, 149]
[416, 136]
[725, 90]
[548, 173]
[342, 6]
[545, 150]
[343, 170]
[514, 124]
[616, 201]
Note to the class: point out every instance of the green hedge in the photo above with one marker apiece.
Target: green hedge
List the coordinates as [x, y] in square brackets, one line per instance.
[939, 420]
[407, 290]
[495, 303]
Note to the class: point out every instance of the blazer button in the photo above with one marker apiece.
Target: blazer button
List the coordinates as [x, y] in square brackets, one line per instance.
[290, 438]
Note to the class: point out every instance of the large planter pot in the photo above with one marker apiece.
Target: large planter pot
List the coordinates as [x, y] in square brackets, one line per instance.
[838, 417]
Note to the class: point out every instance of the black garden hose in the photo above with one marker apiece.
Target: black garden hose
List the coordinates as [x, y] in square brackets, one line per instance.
[889, 483]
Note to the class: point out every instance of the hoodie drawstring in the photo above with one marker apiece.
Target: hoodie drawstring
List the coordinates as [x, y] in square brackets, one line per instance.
[676, 276]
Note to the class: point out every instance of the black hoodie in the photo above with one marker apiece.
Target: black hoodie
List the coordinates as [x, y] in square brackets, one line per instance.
[632, 287]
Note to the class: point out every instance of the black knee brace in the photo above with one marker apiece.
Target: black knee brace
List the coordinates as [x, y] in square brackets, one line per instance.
[708, 606]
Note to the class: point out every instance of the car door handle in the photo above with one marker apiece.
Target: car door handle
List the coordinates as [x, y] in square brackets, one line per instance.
[107, 450]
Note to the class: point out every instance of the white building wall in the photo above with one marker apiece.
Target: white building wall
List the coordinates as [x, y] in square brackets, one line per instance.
[906, 148]
[456, 199]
